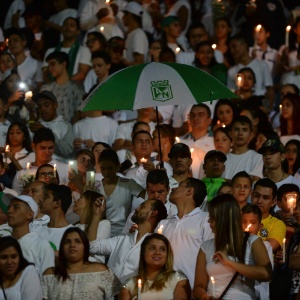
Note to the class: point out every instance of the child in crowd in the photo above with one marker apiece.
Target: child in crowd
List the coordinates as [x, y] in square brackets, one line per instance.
[225, 188]
[241, 187]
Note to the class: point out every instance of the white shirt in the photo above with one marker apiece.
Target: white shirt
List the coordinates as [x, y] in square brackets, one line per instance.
[186, 236]
[269, 56]
[30, 71]
[38, 251]
[59, 17]
[17, 5]
[206, 143]
[250, 162]
[124, 254]
[3, 132]
[90, 80]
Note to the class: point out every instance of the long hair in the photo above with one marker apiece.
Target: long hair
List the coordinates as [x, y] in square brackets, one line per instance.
[295, 100]
[7, 242]
[90, 198]
[197, 61]
[296, 166]
[60, 269]
[42, 166]
[165, 273]
[27, 140]
[226, 213]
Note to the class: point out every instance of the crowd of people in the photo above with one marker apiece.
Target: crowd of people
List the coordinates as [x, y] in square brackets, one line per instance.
[192, 202]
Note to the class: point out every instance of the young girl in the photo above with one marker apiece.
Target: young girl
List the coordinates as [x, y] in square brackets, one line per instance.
[222, 140]
[291, 163]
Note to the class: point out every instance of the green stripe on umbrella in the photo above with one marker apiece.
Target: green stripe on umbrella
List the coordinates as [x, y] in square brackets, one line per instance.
[155, 84]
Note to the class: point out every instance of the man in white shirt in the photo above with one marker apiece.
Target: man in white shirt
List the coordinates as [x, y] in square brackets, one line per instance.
[21, 211]
[124, 250]
[56, 201]
[62, 130]
[43, 145]
[189, 228]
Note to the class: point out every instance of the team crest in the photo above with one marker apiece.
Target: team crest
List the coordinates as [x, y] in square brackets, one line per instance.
[264, 232]
[161, 90]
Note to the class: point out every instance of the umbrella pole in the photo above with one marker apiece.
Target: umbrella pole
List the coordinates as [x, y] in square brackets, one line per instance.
[159, 143]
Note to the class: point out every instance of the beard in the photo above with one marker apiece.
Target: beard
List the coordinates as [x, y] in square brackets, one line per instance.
[138, 219]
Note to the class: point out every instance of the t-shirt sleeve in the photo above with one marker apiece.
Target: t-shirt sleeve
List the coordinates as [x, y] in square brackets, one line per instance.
[85, 56]
[135, 188]
[257, 166]
[278, 232]
[139, 46]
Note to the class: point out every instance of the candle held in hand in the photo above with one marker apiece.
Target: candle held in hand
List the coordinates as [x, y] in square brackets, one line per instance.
[28, 166]
[213, 286]
[143, 160]
[139, 288]
[287, 34]
[160, 229]
[248, 228]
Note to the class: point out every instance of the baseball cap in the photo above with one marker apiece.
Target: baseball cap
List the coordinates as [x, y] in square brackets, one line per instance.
[45, 94]
[167, 21]
[7, 198]
[134, 8]
[213, 153]
[116, 43]
[272, 145]
[180, 148]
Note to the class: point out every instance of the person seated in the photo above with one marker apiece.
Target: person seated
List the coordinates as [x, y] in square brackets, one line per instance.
[158, 278]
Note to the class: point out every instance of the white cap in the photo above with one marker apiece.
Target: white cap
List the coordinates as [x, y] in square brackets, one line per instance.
[6, 199]
[134, 8]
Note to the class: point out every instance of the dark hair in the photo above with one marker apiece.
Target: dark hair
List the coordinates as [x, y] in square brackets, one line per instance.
[76, 20]
[206, 107]
[252, 209]
[109, 155]
[243, 120]
[86, 152]
[293, 86]
[197, 62]
[267, 183]
[223, 185]
[27, 140]
[140, 132]
[240, 38]
[166, 130]
[194, 26]
[225, 130]
[247, 69]
[286, 188]
[158, 177]
[226, 20]
[166, 51]
[295, 100]
[137, 124]
[42, 166]
[3, 85]
[3, 97]
[102, 54]
[60, 57]
[100, 37]
[61, 193]
[242, 174]
[199, 190]
[106, 146]
[161, 210]
[293, 36]
[61, 267]
[43, 134]
[7, 242]
[296, 166]
[229, 103]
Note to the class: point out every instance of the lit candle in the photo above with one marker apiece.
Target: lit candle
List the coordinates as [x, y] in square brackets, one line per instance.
[6, 41]
[291, 199]
[160, 229]
[213, 286]
[177, 50]
[283, 250]
[192, 150]
[177, 139]
[102, 28]
[54, 170]
[287, 34]
[28, 95]
[28, 166]
[214, 46]
[257, 30]
[248, 228]
[239, 80]
[280, 109]
[139, 288]
[107, 1]
[143, 160]
[223, 125]
[7, 149]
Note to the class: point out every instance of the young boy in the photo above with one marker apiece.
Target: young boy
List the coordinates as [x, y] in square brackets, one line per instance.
[4, 123]
[225, 188]
[252, 215]
[241, 187]
[242, 158]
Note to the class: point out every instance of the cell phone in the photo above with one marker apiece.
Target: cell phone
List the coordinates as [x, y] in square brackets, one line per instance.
[90, 177]
[73, 165]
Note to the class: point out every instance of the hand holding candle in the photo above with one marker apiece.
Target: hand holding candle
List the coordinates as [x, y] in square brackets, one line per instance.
[7, 149]
[159, 230]
[143, 160]
[287, 34]
[213, 287]
[239, 80]
[139, 288]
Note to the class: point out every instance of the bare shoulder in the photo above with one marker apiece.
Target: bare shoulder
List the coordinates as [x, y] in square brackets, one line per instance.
[49, 271]
[96, 267]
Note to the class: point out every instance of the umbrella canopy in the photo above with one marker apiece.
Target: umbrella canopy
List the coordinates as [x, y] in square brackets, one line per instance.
[155, 84]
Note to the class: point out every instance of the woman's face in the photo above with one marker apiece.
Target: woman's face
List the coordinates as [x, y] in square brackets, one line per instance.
[222, 29]
[287, 109]
[79, 205]
[205, 55]
[109, 169]
[222, 142]
[45, 174]
[154, 51]
[9, 262]
[6, 63]
[97, 151]
[12, 83]
[248, 81]
[73, 247]
[156, 253]
[84, 163]
[16, 136]
[291, 153]
[93, 43]
[225, 114]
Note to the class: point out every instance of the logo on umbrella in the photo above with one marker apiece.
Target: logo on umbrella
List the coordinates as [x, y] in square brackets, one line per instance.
[161, 90]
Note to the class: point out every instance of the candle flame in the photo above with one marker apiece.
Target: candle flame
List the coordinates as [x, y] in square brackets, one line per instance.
[177, 139]
[223, 125]
[284, 240]
[248, 227]
[140, 282]
[161, 226]
[54, 166]
[177, 50]
[192, 150]
[212, 279]
[107, 1]
[258, 28]
[101, 28]
[214, 46]
[7, 148]
[288, 28]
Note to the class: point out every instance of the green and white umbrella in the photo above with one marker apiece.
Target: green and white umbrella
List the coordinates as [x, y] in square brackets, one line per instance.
[155, 84]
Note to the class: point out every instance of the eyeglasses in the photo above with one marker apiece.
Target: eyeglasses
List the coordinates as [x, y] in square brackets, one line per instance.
[46, 174]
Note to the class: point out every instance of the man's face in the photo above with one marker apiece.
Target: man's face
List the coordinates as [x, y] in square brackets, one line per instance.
[36, 191]
[263, 198]
[69, 29]
[214, 167]
[173, 30]
[47, 203]
[19, 213]
[142, 145]
[241, 189]
[179, 193]
[100, 67]
[196, 36]
[272, 161]
[199, 118]
[241, 134]
[47, 109]
[55, 68]
[252, 219]
[180, 163]
[142, 213]
[16, 45]
[157, 191]
[43, 151]
[237, 49]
